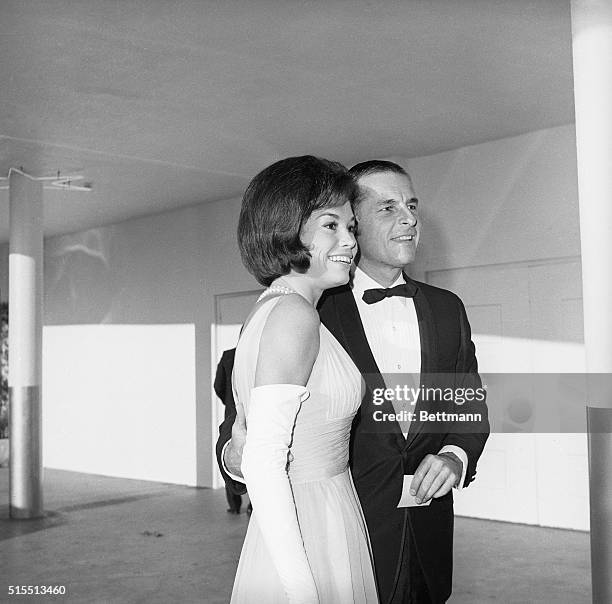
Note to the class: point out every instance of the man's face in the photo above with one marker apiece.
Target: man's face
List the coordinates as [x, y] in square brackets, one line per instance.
[387, 226]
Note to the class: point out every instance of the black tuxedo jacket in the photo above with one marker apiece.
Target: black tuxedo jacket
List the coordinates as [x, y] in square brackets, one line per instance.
[223, 381]
[380, 455]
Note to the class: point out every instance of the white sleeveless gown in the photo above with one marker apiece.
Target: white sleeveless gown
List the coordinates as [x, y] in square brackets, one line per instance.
[329, 514]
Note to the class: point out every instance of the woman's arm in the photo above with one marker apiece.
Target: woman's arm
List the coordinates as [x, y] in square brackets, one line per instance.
[288, 349]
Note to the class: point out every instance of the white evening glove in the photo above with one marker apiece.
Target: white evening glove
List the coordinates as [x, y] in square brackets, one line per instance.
[270, 420]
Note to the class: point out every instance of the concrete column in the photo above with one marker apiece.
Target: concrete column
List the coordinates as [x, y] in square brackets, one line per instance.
[592, 54]
[25, 345]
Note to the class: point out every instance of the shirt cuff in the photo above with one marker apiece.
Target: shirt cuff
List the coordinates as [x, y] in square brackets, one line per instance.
[462, 455]
[233, 476]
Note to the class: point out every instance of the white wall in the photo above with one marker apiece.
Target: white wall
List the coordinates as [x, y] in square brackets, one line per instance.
[160, 270]
[121, 400]
[508, 200]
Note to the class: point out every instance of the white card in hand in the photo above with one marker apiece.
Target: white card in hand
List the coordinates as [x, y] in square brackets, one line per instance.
[407, 500]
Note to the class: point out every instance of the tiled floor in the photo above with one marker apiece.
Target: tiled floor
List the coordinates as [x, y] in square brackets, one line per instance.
[116, 540]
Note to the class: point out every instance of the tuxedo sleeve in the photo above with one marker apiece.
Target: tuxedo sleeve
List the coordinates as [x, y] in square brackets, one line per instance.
[225, 434]
[473, 436]
[222, 382]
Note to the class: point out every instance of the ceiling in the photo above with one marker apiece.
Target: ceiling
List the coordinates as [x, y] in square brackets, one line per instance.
[162, 104]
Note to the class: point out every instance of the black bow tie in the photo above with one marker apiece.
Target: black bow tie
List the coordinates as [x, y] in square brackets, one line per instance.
[406, 290]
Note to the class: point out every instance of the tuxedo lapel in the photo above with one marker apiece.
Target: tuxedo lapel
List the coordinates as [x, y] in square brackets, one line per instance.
[352, 332]
[351, 335]
[429, 352]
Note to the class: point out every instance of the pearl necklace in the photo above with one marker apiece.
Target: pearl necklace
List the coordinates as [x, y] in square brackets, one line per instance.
[276, 289]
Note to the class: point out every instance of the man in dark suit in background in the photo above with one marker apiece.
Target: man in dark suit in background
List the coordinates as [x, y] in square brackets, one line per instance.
[390, 324]
[223, 389]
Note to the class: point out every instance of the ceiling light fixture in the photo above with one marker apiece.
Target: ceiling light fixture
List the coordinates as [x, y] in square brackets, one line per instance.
[57, 183]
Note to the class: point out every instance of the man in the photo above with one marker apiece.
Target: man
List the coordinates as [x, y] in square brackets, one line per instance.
[390, 324]
[223, 389]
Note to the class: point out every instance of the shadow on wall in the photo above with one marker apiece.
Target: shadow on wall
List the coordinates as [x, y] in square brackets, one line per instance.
[81, 285]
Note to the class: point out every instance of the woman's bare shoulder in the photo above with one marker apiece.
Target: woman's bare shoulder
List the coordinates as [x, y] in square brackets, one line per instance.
[289, 342]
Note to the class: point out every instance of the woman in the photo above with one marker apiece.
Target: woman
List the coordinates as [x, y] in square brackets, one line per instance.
[307, 541]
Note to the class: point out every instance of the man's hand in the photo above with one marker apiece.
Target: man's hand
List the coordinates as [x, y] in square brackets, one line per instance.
[233, 452]
[436, 476]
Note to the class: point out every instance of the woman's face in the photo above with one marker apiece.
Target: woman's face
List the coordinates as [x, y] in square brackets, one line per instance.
[329, 236]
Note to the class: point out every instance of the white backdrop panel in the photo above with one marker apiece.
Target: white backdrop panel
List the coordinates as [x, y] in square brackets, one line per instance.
[119, 400]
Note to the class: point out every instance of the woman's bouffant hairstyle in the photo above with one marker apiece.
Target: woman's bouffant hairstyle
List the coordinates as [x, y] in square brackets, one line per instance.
[275, 206]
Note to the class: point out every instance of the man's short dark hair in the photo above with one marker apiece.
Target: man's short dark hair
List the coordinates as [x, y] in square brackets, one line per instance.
[275, 206]
[373, 166]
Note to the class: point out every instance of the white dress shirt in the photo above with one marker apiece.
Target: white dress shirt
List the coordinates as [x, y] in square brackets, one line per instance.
[391, 327]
